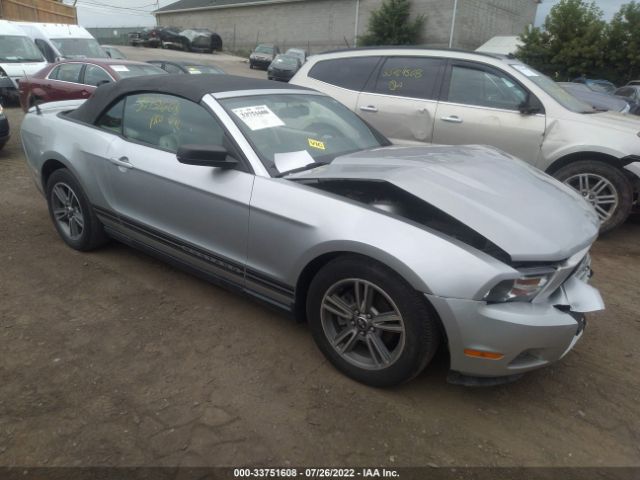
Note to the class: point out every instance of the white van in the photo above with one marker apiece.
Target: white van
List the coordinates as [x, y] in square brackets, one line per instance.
[19, 58]
[59, 41]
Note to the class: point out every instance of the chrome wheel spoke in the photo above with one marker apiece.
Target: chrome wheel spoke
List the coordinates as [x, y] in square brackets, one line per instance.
[390, 322]
[606, 199]
[60, 214]
[345, 340]
[337, 306]
[598, 187]
[378, 350]
[61, 194]
[364, 296]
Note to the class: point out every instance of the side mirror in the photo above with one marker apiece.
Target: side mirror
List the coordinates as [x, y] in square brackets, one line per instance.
[529, 107]
[206, 156]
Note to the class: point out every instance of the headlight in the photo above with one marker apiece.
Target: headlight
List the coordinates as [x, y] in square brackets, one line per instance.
[523, 289]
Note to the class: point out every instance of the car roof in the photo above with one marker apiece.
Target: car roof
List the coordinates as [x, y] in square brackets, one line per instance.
[417, 47]
[103, 62]
[191, 87]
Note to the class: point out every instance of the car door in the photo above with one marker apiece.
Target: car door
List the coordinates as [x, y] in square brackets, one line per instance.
[196, 214]
[400, 99]
[64, 82]
[481, 105]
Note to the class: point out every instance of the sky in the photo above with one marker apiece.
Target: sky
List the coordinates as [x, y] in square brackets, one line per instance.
[133, 13]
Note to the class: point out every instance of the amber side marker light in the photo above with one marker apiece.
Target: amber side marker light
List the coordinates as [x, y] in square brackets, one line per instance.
[480, 354]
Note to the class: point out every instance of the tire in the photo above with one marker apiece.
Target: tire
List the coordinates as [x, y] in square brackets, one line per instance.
[614, 198]
[2, 144]
[84, 236]
[251, 65]
[410, 340]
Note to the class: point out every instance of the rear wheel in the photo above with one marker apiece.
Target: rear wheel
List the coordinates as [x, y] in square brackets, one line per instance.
[71, 212]
[370, 323]
[604, 186]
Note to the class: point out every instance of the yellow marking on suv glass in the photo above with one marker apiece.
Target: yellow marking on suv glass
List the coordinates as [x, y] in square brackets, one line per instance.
[316, 144]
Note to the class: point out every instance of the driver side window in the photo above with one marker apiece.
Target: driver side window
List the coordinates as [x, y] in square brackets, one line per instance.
[167, 122]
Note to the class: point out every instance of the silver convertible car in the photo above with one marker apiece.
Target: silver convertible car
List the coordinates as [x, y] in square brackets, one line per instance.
[284, 194]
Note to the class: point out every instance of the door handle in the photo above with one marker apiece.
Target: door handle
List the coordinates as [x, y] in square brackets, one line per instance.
[451, 119]
[121, 162]
[369, 108]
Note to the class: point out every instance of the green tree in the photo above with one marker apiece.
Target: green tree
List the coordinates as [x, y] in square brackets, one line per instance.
[391, 25]
[571, 43]
[623, 54]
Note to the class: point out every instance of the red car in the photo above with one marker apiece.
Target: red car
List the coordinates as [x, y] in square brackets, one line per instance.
[73, 79]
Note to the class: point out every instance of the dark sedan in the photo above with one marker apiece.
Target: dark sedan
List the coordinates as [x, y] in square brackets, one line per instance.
[283, 68]
[191, 68]
[4, 129]
[74, 79]
[599, 101]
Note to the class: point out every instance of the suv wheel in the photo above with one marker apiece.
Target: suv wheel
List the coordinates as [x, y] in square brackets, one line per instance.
[72, 214]
[370, 323]
[602, 185]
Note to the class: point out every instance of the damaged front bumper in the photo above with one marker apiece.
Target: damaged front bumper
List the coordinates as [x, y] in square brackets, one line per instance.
[525, 335]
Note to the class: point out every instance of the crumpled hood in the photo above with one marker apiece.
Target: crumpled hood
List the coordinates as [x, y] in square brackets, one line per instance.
[525, 212]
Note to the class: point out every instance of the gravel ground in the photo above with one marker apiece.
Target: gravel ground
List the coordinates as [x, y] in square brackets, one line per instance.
[113, 358]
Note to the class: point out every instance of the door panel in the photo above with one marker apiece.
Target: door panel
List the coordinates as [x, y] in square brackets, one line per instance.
[400, 99]
[481, 106]
[199, 214]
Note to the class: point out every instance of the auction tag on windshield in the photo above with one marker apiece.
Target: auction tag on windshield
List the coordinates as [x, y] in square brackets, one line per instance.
[258, 117]
[523, 69]
[194, 71]
[316, 144]
[119, 68]
[287, 161]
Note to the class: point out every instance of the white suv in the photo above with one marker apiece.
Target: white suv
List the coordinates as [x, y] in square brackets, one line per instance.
[452, 97]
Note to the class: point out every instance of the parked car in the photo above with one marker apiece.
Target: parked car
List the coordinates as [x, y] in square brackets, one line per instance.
[298, 52]
[19, 57]
[446, 97]
[147, 37]
[263, 55]
[78, 79]
[5, 132]
[629, 92]
[202, 40]
[113, 52]
[58, 41]
[192, 68]
[386, 251]
[602, 102]
[283, 67]
[602, 86]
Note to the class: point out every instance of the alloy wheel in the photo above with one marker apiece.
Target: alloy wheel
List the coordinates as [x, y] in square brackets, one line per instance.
[598, 191]
[363, 324]
[67, 211]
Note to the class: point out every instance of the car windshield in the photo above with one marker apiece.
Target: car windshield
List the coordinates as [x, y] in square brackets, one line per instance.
[601, 87]
[552, 88]
[196, 69]
[115, 53]
[286, 60]
[296, 131]
[264, 49]
[17, 49]
[134, 70]
[79, 48]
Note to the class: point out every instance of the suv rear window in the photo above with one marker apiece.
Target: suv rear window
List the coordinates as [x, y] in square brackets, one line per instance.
[350, 73]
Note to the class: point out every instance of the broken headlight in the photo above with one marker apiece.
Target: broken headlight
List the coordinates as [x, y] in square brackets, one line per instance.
[522, 289]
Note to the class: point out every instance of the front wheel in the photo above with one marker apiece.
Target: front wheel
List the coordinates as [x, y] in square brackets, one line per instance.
[71, 212]
[370, 323]
[604, 186]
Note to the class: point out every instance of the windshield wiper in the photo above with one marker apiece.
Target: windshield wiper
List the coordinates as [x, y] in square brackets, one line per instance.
[309, 166]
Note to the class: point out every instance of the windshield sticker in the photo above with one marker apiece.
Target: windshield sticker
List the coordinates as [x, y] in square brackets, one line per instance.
[316, 144]
[194, 70]
[523, 69]
[288, 161]
[258, 117]
[120, 68]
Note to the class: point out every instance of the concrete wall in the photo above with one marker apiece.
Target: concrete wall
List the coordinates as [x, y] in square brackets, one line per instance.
[319, 25]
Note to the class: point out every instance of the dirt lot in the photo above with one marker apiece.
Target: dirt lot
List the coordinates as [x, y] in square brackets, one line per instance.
[113, 358]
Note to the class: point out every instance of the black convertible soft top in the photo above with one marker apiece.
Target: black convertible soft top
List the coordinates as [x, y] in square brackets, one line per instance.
[191, 87]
